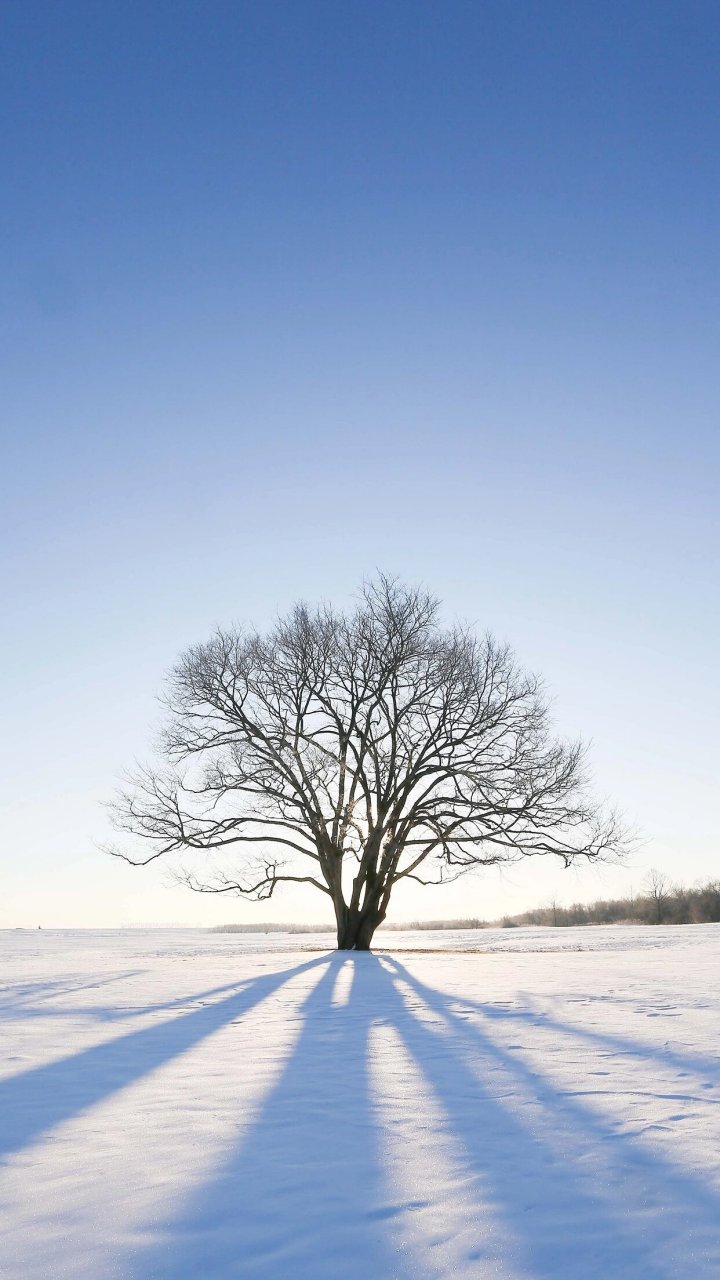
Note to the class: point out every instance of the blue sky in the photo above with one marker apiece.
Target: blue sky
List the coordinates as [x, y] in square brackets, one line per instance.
[296, 290]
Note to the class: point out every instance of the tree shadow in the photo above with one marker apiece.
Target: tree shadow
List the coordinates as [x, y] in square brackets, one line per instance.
[28, 999]
[708, 1067]
[305, 1195]
[37, 1100]
[35, 1003]
[307, 1186]
[571, 1154]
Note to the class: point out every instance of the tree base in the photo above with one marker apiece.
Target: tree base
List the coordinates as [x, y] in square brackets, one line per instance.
[357, 935]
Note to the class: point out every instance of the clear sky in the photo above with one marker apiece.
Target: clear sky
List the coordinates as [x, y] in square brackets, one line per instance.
[293, 290]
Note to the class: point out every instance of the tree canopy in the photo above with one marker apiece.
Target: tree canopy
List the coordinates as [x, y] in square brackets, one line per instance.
[355, 750]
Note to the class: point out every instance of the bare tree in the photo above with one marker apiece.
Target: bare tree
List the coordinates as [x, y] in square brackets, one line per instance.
[658, 888]
[355, 751]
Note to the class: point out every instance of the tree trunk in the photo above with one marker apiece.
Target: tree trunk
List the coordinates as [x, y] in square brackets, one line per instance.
[356, 929]
[357, 921]
[366, 929]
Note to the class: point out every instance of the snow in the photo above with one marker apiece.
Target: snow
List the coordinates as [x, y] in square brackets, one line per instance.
[177, 1104]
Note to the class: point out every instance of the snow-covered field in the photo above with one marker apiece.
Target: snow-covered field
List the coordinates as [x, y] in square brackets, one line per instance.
[178, 1104]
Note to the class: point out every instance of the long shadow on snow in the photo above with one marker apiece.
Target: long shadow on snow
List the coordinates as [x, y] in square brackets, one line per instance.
[578, 1162]
[610, 1043]
[305, 1195]
[21, 1009]
[26, 996]
[605, 1041]
[36, 1100]
[281, 1205]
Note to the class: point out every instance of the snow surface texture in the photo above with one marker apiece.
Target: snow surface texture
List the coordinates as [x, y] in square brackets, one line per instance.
[177, 1105]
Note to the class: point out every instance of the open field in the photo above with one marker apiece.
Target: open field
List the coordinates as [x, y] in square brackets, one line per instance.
[518, 1103]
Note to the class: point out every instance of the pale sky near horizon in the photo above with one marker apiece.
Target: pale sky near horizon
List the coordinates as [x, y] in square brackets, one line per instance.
[296, 290]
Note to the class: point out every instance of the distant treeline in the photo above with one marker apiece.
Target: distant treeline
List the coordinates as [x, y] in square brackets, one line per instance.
[272, 928]
[444, 924]
[328, 928]
[660, 903]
